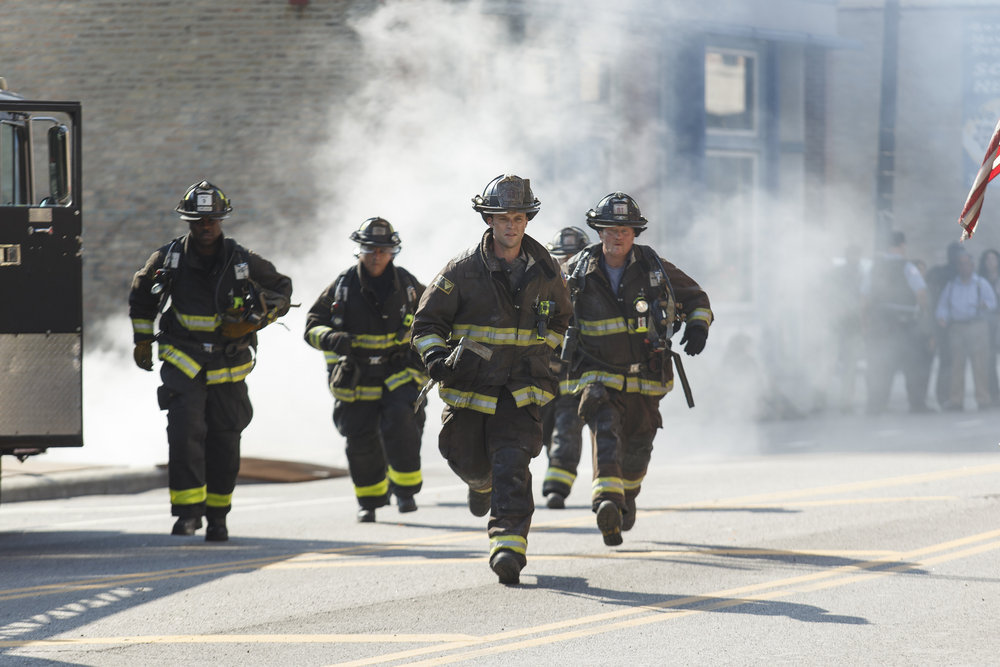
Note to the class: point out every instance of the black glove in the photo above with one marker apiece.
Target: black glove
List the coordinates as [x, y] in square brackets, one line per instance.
[695, 337]
[336, 341]
[437, 368]
[143, 355]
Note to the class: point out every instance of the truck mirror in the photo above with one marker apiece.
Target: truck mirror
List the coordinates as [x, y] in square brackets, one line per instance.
[58, 136]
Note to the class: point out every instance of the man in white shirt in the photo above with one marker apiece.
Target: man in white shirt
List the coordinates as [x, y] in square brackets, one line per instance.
[963, 309]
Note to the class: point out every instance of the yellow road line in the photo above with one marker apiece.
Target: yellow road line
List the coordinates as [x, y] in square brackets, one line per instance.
[712, 599]
[887, 482]
[218, 568]
[463, 536]
[839, 501]
[242, 639]
[320, 558]
[593, 624]
[336, 562]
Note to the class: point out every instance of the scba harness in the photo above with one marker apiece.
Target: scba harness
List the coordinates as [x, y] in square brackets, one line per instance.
[368, 350]
[341, 290]
[656, 315]
[245, 308]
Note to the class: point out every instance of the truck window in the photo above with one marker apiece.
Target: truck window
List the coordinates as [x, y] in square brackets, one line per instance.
[13, 162]
[50, 159]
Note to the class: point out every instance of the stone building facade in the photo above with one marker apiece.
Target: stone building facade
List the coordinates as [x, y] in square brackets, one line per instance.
[174, 91]
[714, 118]
[948, 102]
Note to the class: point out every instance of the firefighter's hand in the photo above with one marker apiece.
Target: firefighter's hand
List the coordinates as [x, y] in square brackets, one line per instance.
[695, 337]
[437, 366]
[336, 341]
[143, 355]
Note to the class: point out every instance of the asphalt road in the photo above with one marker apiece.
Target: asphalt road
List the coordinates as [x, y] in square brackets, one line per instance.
[811, 557]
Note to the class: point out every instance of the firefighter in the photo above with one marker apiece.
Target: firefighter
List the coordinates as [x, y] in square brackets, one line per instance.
[625, 298]
[362, 324]
[507, 295]
[211, 295]
[562, 428]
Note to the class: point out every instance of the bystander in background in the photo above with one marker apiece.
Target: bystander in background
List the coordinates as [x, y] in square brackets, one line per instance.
[963, 310]
[937, 277]
[896, 295]
[989, 269]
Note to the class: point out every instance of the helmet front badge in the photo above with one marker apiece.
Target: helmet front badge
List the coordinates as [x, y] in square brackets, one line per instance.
[510, 193]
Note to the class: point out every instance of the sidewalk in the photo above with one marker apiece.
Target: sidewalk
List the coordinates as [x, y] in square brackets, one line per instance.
[36, 479]
[40, 480]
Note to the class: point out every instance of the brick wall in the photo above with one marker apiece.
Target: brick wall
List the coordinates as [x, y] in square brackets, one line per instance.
[173, 91]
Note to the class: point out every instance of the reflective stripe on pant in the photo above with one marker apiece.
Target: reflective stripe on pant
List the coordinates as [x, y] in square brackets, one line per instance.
[383, 445]
[204, 423]
[623, 429]
[564, 446]
[495, 450]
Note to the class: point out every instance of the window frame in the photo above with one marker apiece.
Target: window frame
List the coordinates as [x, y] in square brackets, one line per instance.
[754, 56]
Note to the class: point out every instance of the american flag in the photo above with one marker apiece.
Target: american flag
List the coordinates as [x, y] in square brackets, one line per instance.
[987, 172]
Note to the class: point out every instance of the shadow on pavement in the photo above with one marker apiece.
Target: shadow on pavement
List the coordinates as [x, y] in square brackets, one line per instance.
[90, 575]
[578, 587]
[790, 557]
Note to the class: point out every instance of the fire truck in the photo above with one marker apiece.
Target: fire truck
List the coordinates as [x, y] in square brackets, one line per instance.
[41, 294]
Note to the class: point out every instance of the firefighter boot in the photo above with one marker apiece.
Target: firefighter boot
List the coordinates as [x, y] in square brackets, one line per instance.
[609, 521]
[480, 502]
[506, 566]
[217, 531]
[628, 516]
[406, 504]
[366, 515]
[555, 501]
[186, 525]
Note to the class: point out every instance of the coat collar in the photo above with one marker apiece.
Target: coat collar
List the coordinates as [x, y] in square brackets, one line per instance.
[535, 251]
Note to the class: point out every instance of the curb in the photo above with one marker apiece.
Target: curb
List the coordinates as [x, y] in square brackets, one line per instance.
[101, 481]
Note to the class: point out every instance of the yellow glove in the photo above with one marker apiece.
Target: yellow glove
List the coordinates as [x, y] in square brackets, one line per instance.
[143, 355]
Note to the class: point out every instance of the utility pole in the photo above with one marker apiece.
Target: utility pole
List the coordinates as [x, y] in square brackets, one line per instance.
[885, 175]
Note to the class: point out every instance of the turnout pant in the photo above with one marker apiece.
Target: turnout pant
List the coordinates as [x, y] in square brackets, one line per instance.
[564, 443]
[204, 423]
[383, 445]
[494, 451]
[622, 428]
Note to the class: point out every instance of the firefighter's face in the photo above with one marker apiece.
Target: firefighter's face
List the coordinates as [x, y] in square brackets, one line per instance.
[206, 231]
[617, 241]
[508, 228]
[375, 260]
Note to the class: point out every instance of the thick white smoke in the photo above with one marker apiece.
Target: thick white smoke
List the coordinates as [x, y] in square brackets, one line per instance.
[447, 95]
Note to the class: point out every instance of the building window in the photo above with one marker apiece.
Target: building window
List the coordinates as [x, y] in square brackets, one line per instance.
[730, 90]
[730, 180]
